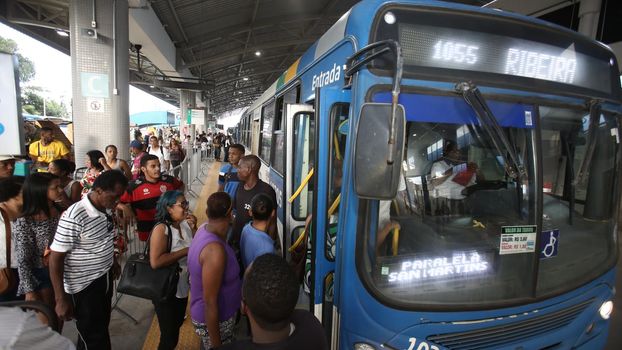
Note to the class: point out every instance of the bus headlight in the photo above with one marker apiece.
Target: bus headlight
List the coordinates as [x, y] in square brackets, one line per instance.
[605, 309]
[363, 346]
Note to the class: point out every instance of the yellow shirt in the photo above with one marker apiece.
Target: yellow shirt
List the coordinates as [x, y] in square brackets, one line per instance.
[54, 150]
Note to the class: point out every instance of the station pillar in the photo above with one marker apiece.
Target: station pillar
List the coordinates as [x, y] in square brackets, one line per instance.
[589, 13]
[100, 76]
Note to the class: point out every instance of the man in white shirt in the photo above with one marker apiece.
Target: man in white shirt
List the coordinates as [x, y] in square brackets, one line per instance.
[159, 151]
[451, 175]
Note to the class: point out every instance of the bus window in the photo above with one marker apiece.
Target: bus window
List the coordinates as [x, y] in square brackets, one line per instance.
[578, 220]
[339, 133]
[277, 159]
[303, 162]
[439, 240]
[267, 120]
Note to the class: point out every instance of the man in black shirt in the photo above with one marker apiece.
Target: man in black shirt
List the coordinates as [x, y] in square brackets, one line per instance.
[248, 174]
[269, 295]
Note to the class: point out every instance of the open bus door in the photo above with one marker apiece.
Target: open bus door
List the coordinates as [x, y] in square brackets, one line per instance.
[300, 122]
[332, 106]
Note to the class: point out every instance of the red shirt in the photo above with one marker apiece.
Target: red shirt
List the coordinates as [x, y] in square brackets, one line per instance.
[143, 197]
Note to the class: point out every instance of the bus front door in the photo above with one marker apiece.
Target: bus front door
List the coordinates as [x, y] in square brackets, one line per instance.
[332, 106]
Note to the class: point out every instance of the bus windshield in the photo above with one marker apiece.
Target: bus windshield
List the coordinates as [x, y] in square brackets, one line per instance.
[462, 231]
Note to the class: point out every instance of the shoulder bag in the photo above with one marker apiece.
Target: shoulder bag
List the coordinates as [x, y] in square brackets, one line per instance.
[8, 280]
[140, 280]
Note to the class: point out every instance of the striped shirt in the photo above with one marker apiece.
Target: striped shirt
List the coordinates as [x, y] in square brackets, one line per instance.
[86, 235]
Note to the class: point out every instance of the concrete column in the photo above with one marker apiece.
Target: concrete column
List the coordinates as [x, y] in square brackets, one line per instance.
[186, 101]
[100, 73]
[589, 13]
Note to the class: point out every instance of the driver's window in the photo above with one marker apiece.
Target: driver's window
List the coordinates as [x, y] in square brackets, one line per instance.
[338, 139]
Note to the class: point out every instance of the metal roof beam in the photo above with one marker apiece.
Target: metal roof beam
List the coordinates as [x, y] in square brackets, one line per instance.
[226, 33]
[262, 46]
[177, 21]
[248, 75]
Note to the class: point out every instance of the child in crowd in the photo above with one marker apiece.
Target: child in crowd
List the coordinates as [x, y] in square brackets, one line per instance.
[255, 240]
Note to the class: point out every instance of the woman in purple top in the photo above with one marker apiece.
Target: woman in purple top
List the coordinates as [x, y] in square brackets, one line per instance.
[215, 287]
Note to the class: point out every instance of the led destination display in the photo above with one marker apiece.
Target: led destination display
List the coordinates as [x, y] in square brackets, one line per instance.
[416, 269]
[430, 46]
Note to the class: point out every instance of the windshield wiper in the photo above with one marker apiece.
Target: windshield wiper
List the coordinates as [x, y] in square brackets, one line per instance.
[489, 123]
[595, 110]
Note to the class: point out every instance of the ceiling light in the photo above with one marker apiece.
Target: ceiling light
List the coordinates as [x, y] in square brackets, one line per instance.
[152, 86]
[245, 78]
[62, 32]
[257, 53]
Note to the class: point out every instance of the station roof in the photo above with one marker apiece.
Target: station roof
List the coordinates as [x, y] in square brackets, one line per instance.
[218, 39]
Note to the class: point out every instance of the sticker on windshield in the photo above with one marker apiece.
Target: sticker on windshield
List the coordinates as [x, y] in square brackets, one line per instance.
[517, 239]
[549, 243]
[528, 120]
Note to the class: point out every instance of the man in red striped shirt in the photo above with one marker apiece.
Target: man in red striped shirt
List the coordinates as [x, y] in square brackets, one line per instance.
[143, 193]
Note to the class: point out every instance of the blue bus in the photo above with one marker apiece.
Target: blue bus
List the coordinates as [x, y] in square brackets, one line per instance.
[454, 175]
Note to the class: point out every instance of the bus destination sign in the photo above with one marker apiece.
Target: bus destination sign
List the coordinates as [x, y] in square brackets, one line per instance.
[442, 47]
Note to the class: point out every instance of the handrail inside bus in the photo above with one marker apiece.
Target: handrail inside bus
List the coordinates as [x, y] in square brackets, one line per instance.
[302, 185]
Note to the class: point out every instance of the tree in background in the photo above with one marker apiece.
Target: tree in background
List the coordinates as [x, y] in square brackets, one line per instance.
[25, 67]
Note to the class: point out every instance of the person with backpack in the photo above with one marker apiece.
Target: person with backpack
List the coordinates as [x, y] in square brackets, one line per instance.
[157, 150]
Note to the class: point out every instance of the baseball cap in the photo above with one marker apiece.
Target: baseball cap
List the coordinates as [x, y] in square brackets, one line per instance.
[6, 157]
[136, 144]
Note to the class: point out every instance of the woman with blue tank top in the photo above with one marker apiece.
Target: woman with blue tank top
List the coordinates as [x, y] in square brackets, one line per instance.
[215, 286]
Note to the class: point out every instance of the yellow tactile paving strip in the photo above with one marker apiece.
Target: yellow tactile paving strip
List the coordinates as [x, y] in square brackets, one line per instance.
[188, 340]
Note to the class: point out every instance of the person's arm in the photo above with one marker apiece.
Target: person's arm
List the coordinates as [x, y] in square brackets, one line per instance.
[24, 247]
[127, 214]
[125, 168]
[212, 260]
[32, 151]
[76, 191]
[178, 185]
[439, 175]
[272, 227]
[221, 178]
[64, 151]
[104, 163]
[64, 309]
[158, 246]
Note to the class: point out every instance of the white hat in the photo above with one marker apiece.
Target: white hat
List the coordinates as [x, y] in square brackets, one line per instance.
[6, 157]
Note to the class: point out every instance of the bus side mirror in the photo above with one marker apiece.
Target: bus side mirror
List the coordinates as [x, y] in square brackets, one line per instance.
[374, 177]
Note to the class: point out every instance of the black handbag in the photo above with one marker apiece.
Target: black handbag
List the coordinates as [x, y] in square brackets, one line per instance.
[140, 280]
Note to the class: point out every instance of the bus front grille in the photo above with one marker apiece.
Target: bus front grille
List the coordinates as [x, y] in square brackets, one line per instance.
[497, 336]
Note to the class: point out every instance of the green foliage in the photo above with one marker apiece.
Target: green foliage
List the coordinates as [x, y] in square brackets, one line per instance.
[32, 103]
[26, 67]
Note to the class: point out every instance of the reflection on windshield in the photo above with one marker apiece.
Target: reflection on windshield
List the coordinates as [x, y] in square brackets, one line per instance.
[462, 231]
[439, 240]
[578, 219]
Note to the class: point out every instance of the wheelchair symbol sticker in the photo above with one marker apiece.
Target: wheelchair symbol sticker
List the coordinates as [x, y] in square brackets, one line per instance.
[549, 244]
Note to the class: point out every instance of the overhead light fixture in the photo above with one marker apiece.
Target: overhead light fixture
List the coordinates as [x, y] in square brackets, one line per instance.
[245, 78]
[62, 32]
[257, 53]
[152, 86]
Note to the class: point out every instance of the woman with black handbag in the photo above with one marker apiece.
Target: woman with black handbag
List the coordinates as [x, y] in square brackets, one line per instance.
[168, 245]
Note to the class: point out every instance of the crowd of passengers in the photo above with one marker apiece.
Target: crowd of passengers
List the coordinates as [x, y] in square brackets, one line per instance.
[61, 243]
